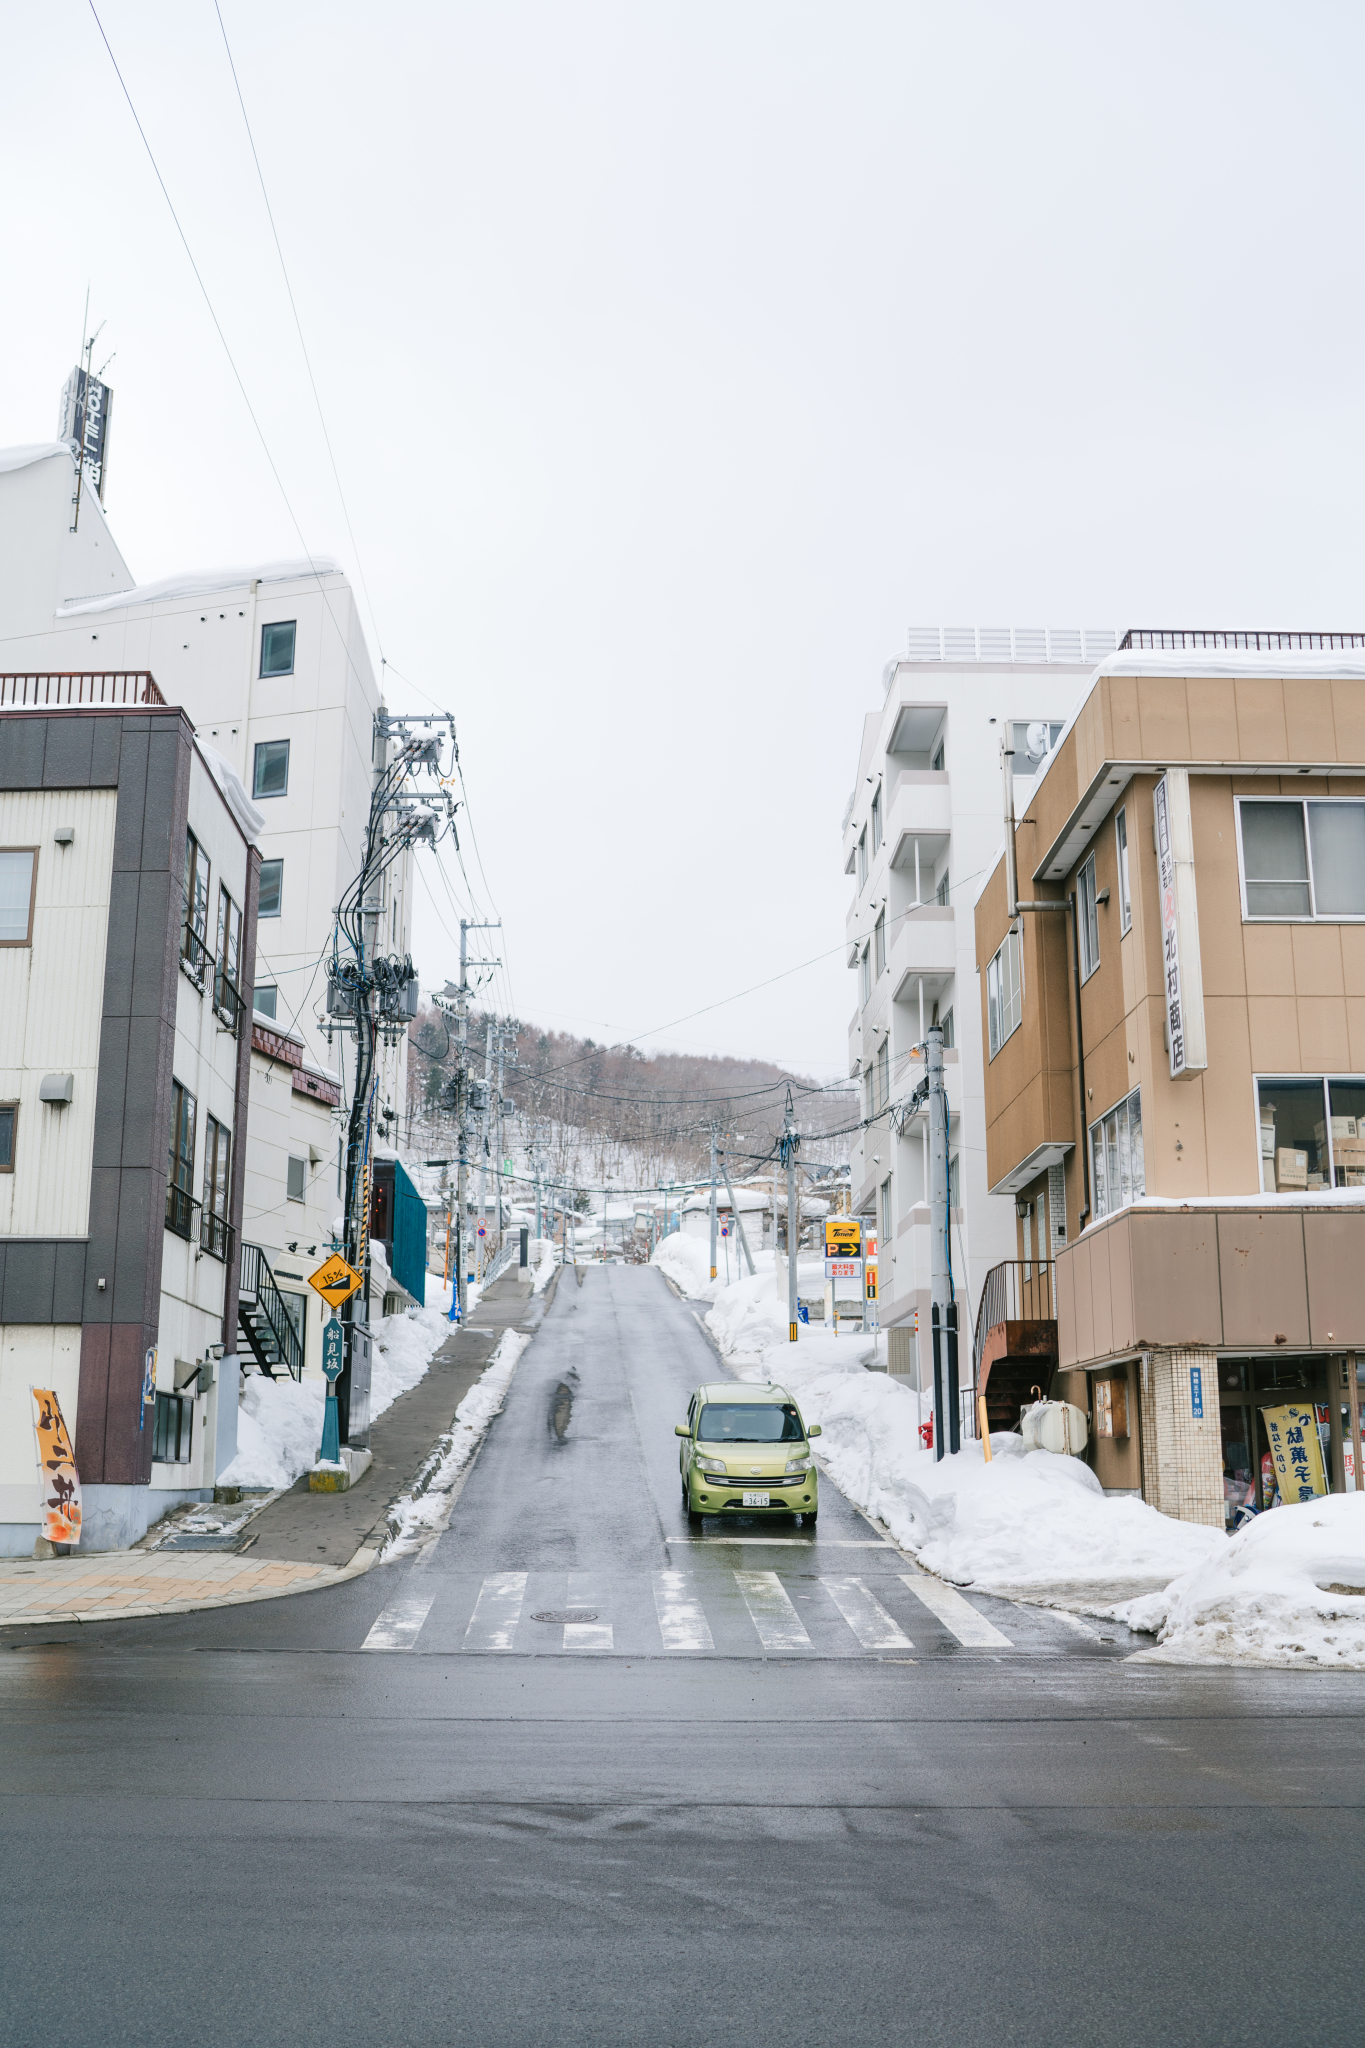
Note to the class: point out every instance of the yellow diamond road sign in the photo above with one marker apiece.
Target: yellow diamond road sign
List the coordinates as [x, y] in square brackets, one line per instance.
[335, 1280]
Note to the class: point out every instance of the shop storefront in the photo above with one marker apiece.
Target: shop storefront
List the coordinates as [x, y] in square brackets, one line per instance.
[1261, 1399]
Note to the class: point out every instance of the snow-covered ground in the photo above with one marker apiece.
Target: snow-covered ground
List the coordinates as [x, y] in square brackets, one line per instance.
[279, 1422]
[1287, 1590]
[1033, 1526]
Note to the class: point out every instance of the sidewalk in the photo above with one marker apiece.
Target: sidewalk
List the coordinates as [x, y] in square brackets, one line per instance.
[299, 1541]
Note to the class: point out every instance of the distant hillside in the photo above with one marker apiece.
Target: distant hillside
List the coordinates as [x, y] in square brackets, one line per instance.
[653, 1111]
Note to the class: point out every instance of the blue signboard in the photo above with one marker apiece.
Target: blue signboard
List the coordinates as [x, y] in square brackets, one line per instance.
[1197, 1393]
[333, 1349]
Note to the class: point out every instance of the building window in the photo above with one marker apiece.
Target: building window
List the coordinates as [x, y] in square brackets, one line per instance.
[1005, 992]
[264, 1000]
[214, 1229]
[942, 891]
[1302, 859]
[227, 998]
[946, 1026]
[296, 1308]
[173, 1431]
[18, 886]
[1088, 919]
[270, 774]
[883, 1073]
[272, 888]
[876, 819]
[886, 1219]
[865, 972]
[1125, 894]
[1312, 1132]
[1116, 1170]
[180, 1167]
[194, 929]
[297, 1182]
[879, 945]
[277, 648]
[936, 761]
[862, 856]
[9, 1124]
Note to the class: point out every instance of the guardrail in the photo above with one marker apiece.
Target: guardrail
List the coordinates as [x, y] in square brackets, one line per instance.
[120, 686]
[1016, 1291]
[1181, 639]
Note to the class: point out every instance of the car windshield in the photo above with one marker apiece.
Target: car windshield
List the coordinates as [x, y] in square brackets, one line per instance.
[736, 1422]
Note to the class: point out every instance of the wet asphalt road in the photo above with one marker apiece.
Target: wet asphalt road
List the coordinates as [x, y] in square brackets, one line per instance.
[780, 1792]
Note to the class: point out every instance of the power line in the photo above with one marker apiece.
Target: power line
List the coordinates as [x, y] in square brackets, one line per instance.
[298, 324]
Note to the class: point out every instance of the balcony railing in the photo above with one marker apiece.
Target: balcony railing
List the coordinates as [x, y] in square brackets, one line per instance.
[1181, 639]
[194, 954]
[180, 1208]
[227, 998]
[215, 1235]
[1017, 1291]
[113, 687]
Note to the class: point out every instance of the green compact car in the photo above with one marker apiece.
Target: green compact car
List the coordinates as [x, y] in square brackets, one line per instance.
[746, 1451]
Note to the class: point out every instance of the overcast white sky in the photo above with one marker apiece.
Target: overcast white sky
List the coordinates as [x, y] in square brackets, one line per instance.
[677, 358]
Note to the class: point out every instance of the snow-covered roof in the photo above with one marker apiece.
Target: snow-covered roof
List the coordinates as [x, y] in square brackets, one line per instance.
[24, 456]
[251, 820]
[201, 582]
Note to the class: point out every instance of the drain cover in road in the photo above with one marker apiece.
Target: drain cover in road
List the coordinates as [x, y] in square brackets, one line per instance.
[567, 1614]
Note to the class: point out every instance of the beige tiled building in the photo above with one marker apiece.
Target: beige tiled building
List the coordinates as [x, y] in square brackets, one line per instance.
[1175, 1063]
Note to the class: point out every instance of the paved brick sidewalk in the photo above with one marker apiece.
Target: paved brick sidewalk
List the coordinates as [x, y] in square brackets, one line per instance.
[118, 1584]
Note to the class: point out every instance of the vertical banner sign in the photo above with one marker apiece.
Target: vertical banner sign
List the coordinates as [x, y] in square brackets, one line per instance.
[1197, 1392]
[59, 1481]
[1180, 957]
[1170, 943]
[148, 1387]
[86, 408]
[1297, 1451]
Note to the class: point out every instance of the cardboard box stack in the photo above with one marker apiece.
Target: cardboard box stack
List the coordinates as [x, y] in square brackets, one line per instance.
[1291, 1170]
[1348, 1153]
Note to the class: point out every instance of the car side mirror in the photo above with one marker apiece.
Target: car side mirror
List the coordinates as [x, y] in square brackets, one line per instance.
[681, 1429]
[812, 1429]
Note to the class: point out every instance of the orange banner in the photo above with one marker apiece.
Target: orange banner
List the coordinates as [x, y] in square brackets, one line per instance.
[60, 1510]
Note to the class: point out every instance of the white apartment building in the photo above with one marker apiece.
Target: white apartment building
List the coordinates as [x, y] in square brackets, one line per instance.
[921, 830]
[271, 665]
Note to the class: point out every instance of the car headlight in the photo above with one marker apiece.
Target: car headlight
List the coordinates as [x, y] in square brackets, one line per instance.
[710, 1464]
[799, 1464]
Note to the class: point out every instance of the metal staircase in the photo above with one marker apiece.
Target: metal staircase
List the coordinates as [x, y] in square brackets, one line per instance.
[265, 1322]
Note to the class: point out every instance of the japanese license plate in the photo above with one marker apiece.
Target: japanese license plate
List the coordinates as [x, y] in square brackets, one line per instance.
[757, 1500]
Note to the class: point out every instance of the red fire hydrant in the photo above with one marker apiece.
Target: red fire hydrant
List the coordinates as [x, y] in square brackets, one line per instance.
[926, 1434]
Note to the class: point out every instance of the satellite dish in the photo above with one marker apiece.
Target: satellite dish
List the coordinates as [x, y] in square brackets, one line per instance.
[1037, 737]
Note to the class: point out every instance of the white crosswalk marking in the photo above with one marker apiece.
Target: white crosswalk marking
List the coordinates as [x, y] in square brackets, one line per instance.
[865, 1615]
[399, 1626]
[779, 1625]
[682, 1619]
[493, 1624]
[588, 1593]
[958, 1616]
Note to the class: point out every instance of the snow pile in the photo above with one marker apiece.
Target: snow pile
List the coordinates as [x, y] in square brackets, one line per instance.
[1288, 1590]
[687, 1263]
[1028, 1525]
[424, 1511]
[279, 1422]
[545, 1264]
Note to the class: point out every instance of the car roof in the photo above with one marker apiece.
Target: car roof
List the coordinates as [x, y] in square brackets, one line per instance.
[729, 1391]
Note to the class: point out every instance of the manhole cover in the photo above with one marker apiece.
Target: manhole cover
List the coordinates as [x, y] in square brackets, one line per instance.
[567, 1614]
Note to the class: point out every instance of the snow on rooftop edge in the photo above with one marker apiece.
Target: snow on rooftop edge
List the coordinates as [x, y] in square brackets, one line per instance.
[201, 582]
[24, 455]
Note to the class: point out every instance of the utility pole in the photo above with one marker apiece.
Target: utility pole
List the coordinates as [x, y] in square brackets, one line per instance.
[501, 1134]
[713, 1202]
[739, 1220]
[942, 1308]
[460, 1302]
[790, 1146]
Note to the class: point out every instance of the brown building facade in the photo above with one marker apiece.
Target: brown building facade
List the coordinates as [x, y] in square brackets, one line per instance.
[1175, 1058]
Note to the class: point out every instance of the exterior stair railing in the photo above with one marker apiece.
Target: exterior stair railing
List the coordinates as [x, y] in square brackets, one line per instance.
[265, 1320]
